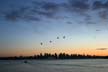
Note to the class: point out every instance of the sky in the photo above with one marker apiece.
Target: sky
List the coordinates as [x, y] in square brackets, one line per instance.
[29, 27]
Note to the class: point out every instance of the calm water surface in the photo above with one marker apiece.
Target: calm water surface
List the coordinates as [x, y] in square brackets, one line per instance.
[81, 65]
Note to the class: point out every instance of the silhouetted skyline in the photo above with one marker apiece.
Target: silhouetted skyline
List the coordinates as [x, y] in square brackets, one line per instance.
[55, 56]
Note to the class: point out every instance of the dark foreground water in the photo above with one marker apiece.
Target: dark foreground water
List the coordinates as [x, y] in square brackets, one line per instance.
[87, 65]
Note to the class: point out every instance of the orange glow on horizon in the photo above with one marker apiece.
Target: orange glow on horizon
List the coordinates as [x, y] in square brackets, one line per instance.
[52, 51]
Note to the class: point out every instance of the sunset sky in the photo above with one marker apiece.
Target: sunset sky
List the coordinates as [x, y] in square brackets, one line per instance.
[25, 24]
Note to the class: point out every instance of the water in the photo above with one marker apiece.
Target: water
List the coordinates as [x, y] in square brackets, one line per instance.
[87, 65]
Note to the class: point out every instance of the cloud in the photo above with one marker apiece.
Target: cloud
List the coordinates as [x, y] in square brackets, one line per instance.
[34, 12]
[84, 7]
[69, 22]
[101, 48]
[78, 5]
[47, 9]
[13, 15]
[100, 5]
[50, 7]
[40, 9]
[103, 14]
[97, 5]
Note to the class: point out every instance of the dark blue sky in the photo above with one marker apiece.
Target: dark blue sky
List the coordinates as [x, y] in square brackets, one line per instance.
[26, 23]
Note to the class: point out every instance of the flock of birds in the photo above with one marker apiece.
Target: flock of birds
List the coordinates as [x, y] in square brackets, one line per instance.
[41, 43]
[52, 41]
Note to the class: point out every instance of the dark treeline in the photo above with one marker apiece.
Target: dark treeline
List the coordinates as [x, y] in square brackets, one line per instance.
[55, 56]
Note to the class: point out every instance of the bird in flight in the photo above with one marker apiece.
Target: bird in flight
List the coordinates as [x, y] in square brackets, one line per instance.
[41, 43]
[57, 37]
[50, 41]
[64, 37]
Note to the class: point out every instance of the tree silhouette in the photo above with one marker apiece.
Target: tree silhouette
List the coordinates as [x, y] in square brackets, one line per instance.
[55, 56]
